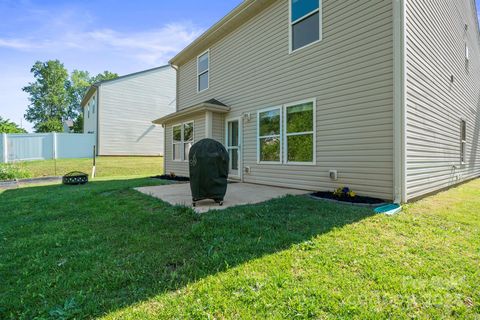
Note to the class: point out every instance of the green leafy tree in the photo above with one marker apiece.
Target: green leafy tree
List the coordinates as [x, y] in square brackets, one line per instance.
[105, 76]
[56, 97]
[49, 97]
[78, 124]
[80, 81]
[7, 126]
[50, 125]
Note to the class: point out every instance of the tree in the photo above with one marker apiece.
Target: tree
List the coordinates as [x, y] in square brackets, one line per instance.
[105, 76]
[50, 125]
[78, 124]
[80, 81]
[7, 126]
[56, 97]
[49, 97]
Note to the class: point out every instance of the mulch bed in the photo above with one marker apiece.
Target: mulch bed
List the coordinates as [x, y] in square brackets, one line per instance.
[354, 200]
[170, 178]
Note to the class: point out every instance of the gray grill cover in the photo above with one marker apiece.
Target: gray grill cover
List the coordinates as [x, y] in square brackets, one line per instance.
[209, 162]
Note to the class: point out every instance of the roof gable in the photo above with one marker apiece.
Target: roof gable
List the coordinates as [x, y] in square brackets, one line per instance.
[237, 17]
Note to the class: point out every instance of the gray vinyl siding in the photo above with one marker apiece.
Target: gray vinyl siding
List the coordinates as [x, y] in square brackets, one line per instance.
[435, 106]
[127, 108]
[349, 73]
[180, 168]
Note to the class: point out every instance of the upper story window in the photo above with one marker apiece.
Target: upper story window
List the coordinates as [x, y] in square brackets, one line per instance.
[203, 67]
[305, 23]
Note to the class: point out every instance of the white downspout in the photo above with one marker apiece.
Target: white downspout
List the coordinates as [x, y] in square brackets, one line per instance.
[399, 111]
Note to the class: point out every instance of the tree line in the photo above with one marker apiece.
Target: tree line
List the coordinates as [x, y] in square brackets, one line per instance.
[55, 97]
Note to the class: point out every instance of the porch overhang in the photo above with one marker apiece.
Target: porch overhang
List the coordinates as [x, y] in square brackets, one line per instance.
[210, 105]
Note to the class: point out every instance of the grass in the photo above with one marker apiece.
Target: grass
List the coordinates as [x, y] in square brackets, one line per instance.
[104, 250]
[105, 166]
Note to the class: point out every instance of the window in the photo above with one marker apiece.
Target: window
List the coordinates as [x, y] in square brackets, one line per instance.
[182, 140]
[463, 141]
[299, 134]
[177, 143]
[305, 23]
[187, 139]
[203, 66]
[287, 134]
[269, 135]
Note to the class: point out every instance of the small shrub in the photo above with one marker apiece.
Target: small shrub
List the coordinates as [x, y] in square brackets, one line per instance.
[344, 192]
[10, 171]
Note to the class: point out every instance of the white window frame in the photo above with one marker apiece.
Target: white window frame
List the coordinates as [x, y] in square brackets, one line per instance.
[314, 132]
[463, 142]
[199, 74]
[291, 23]
[183, 137]
[182, 142]
[279, 108]
[284, 135]
[178, 143]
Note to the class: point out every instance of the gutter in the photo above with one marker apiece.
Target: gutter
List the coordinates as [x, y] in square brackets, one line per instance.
[400, 102]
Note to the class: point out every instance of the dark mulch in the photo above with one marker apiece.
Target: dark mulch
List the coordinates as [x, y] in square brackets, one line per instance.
[356, 199]
[170, 178]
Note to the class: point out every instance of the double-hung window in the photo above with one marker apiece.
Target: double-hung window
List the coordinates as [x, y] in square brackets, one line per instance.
[270, 135]
[286, 134]
[305, 22]
[182, 141]
[463, 141]
[299, 132]
[203, 74]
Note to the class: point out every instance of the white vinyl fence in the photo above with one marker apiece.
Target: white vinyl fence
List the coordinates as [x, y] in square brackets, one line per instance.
[44, 146]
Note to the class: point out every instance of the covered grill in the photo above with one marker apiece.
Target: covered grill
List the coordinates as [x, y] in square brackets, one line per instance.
[208, 171]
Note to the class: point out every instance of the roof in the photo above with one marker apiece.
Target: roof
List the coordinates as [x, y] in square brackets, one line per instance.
[210, 105]
[237, 17]
[96, 85]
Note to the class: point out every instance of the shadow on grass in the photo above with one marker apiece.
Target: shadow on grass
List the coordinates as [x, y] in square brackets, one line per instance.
[81, 252]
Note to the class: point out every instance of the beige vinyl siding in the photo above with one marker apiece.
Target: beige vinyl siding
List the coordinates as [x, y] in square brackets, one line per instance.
[127, 108]
[350, 73]
[180, 168]
[218, 127]
[435, 106]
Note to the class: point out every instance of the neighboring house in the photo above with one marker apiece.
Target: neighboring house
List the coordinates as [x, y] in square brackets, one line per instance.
[381, 96]
[68, 126]
[119, 112]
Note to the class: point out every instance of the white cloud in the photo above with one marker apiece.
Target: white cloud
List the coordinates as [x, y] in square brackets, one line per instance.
[151, 47]
[19, 44]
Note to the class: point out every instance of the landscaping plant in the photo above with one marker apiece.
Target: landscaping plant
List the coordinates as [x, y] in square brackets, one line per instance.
[10, 171]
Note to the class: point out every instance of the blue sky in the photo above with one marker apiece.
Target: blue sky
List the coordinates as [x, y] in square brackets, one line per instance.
[119, 36]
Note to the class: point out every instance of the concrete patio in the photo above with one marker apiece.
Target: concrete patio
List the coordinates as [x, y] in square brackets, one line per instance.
[237, 194]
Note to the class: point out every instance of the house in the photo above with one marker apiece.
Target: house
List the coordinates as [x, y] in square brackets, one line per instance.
[381, 96]
[68, 126]
[120, 111]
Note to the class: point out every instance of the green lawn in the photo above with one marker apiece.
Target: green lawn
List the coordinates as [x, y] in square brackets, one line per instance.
[104, 250]
[106, 166]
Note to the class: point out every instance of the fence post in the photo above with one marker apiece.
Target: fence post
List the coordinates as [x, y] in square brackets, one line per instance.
[5, 147]
[54, 136]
